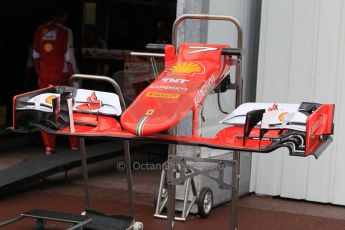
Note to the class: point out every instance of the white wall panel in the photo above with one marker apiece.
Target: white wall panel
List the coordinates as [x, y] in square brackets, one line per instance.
[301, 58]
[225, 33]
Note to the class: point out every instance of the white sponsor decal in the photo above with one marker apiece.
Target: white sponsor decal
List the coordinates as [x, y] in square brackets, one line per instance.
[201, 49]
[204, 89]
[174, 80]
[315, 126]
[168, 87]
[50, 35]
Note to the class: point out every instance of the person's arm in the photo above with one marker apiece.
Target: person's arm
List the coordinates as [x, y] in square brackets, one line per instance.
[69, 55]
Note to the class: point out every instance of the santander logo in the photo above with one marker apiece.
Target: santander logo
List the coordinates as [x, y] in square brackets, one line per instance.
[204, 89]
[91, 104]
[315, 126]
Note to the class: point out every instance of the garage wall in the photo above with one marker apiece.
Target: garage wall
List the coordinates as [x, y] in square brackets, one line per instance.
[301, 58]
[248, 13]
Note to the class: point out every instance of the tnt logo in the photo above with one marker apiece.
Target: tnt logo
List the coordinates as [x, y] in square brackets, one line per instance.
[174, 80]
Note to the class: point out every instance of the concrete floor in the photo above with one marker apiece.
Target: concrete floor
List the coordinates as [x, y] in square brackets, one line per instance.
[109, 194]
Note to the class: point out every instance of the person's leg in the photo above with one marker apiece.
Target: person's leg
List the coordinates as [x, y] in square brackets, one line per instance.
[74, 142]
[49, 142]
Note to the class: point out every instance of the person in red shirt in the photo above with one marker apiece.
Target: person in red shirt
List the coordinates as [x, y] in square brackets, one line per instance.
[53, 57]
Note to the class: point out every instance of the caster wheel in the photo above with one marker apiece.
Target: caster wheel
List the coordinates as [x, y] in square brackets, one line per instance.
[205, 202]
[138, 226]
[40, 224]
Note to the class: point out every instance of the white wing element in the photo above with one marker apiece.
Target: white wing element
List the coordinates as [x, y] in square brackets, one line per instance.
[41, 102]
[280, 119]
[277, 116]
[110, 102]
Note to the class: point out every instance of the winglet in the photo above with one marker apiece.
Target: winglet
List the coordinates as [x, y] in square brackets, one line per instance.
[252, 118]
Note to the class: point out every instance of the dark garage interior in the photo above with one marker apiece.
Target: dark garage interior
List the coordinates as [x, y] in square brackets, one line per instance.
[122, 25]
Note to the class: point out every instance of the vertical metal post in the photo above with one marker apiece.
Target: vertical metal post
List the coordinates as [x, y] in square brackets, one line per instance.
[171, 191]
[235, 193]
[129, 180]
[171, 187]
[154, 66]
[236, 156]
[239, 82]
[85, 174]
[160, 192]
[186, 197]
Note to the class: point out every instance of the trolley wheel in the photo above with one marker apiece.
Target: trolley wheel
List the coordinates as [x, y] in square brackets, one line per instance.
[40, 224]
[205, 202]
[138, 226]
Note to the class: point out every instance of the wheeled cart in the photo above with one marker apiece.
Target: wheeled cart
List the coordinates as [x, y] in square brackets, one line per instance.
[199, 194]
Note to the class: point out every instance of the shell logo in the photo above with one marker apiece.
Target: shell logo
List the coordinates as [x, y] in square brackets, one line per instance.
[48, 47]
[282, 115]
[49, 100]
[187, 67]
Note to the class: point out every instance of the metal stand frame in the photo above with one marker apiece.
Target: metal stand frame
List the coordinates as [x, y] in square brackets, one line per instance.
[171, 174]
[85, 173]
[74, 78]
[235, 192]
[188, 203]
[128, 172]
[79, 224]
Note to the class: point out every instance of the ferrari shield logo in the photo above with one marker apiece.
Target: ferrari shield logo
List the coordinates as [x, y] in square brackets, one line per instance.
[149, 112]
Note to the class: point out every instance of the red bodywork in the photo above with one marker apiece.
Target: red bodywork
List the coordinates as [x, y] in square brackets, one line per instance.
[319, 124]
[180, 88]
[228, 138]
